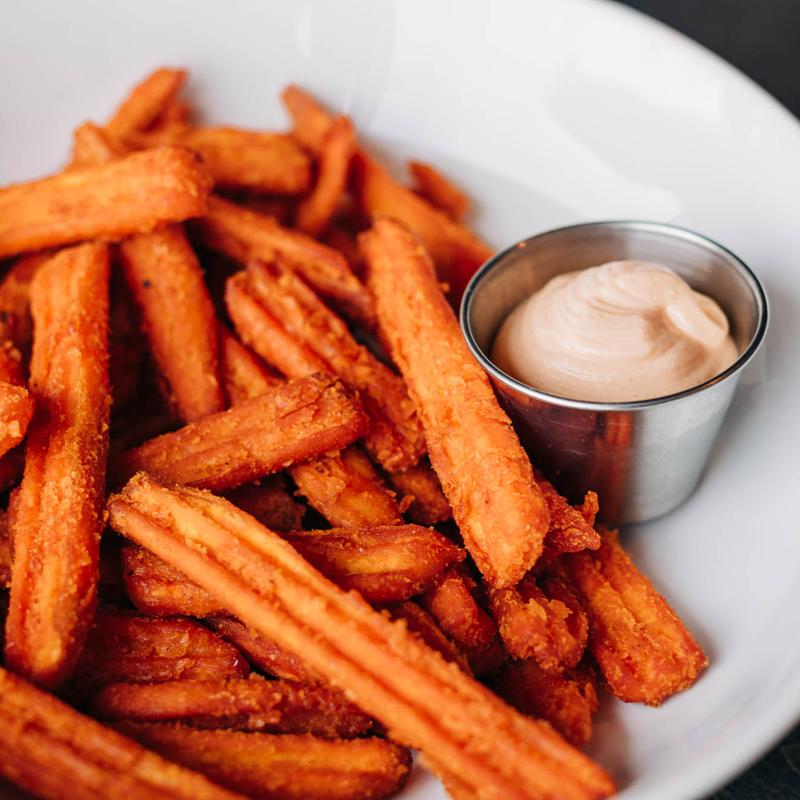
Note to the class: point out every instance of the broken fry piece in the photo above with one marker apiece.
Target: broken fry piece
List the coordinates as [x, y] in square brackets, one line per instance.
[438, 190]
[57, 514]
[469, 437]
[51, 750]
[571, 529]
[460, 726]
[293, 422]
[644, 651]
[162, 272]
[282, 766]
[131, 195]
[311, 122]
[245, 704]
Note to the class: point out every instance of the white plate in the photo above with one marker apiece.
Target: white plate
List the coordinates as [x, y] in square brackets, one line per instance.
[549, 113]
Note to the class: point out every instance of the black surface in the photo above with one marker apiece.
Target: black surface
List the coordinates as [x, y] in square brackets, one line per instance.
[761, 38]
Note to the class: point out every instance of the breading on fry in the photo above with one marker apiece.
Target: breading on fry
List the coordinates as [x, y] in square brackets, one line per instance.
[395, 438]
[51, 750]
[503, 521]
[16, 411]
[421, 491]
[111, 201]
[15, 292]
[438, 190]
[131, 648]
[244, 235]
[162, 272]
[285, 766]
[386, 564]
[244, 374]
[57, 513]
[293, 422]
[644, 651]
[571, 529]
[461, 727]
[245, 704]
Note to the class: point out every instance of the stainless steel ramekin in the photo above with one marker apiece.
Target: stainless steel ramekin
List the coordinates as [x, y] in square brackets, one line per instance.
[643, 458]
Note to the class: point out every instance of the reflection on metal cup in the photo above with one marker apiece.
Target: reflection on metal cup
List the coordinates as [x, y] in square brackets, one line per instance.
[643, 458]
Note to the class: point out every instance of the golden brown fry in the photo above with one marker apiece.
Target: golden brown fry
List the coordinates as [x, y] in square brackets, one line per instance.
[54, 752]
[315, 212]
[571, 529]
[57, 516]
[395, 438]
[438, 190]
[164, 276]
[244, 235]
[91, 145]
[293, 422]
[386, 564]
[453, 605]
[345, 242]
[644, 651]
[549, 626]
[283, 767]
[131, 648]
[244, 374]
[270, 503]
[422, 491]
[16, 410]
[311, 122]
[566, 701]
[111, 201]
[15, 301]
[146, 102]
[503, 521]
[460, 726]
[245, 704]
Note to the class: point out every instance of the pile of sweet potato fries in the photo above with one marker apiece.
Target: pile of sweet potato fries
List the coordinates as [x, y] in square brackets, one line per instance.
[267, 525]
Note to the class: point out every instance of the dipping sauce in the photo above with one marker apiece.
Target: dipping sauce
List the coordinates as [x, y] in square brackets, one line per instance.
[622, 331]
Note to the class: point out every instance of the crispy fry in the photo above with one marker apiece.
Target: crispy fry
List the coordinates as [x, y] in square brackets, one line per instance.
[16, 410]
[57, 516]
[423, 625]
[644, 651]
[283, 767]
[244, 704]
[131, 648]
[244, 374]
[469, 437]
[293, 422]
[395, 438]
[111, 201]
[460, 726]
[91, 145]
[156, 588]
[311, 122]
[316, 211]
[566, 701]
[15, 291]
[146, 102]
[387, 564]
[270, 503]
[571, 529]
[438, 190]
[162, 272]
[244, 235]
[421, 487]
[454, 607]
[263, 653]
[548, 626]
[53, 751]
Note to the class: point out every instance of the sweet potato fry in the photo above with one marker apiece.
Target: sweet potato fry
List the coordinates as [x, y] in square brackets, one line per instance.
[132, 648]
[571, 529]
[244, 374]
[315, 212]
[644, 651]
[503, 522]
[421, 489]
[566, 701]
[244, 235]
[15, 290]
[54, 752]
[549, 626]
[91, 145]
[395, 438]
[282, 767]
[111, 201]
[422, 624]
[438, 190]
[454, 607]
[57, 516]
[146, 102]
[270, 503]
[156, 588]
[162, 273]
[311, 122]
[293, 422]
[5, 552]
[245, 704]
[460, 726]
[387, 564]
[16, 410]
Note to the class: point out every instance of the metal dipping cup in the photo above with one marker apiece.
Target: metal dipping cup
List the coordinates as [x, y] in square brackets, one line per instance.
[643, 458]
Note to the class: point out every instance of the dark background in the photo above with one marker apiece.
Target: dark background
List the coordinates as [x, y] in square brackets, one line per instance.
[762, 39]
